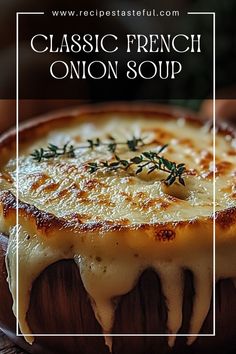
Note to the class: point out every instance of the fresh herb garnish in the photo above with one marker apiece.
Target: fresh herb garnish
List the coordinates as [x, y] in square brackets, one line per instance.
[53, 151]
[150, 159]
[68, 150]
[147, 159]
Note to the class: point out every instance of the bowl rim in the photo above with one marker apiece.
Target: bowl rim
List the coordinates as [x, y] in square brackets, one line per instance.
[225, 219]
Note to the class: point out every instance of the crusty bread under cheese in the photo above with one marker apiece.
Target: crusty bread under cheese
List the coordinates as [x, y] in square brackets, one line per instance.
[115, 224]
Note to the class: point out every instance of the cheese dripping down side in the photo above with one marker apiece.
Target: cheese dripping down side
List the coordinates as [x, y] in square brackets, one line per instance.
[108, 273]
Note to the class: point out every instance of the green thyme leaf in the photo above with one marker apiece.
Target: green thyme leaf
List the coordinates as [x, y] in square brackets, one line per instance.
[136, 159]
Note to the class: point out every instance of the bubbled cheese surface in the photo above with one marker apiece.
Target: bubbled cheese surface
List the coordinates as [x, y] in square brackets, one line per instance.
[64, 187]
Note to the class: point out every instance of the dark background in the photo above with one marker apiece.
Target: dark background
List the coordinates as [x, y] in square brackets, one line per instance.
[195, 81]
[39, 93]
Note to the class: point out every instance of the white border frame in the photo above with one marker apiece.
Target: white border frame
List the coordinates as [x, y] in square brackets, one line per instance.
[17, 211]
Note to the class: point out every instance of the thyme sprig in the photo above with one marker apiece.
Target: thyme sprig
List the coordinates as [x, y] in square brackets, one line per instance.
[149, 159]
[53, 151]
[69, 150]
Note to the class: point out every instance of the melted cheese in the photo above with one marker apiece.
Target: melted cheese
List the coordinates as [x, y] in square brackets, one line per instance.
[111, 259]
[66, 189]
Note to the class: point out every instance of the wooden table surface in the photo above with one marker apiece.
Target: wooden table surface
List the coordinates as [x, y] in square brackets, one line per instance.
[7, 347]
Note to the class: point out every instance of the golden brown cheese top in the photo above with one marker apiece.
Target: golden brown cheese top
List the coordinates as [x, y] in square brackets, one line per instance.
[65, 188]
